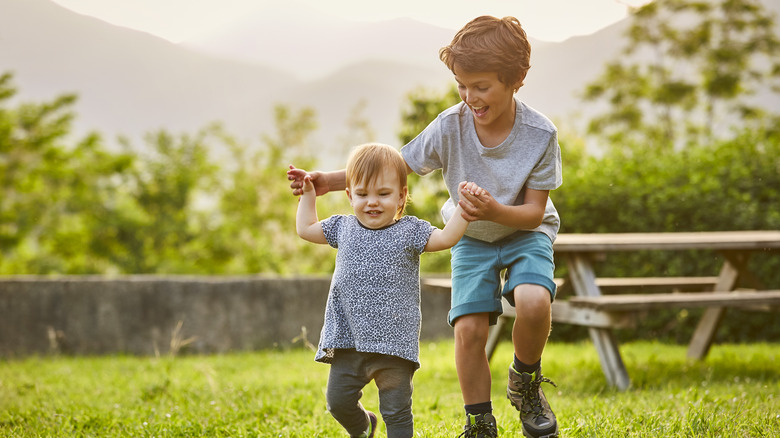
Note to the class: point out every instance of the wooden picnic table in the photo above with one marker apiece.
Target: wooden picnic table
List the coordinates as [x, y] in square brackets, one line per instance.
[603, 313]
[736, 247]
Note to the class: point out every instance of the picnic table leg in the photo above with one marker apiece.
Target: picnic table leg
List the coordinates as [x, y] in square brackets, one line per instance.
[584, 283]
[609, 356]
[702, 339]
[734, 269]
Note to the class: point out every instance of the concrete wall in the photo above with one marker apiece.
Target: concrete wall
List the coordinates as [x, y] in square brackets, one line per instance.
[139, 314]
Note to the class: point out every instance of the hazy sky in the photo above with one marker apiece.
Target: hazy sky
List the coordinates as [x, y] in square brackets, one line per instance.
[178, 20]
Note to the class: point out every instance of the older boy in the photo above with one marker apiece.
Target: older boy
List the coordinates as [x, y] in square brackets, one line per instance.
[512, 152]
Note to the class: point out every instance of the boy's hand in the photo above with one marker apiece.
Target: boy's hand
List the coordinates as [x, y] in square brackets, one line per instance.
[297, 177]
[476, 202]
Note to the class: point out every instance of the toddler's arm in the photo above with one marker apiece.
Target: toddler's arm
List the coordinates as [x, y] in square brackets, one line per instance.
[456, 226]
[306, 223]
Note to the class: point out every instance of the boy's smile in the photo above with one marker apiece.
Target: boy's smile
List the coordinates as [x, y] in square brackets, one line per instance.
[479, 111]
[376, 203]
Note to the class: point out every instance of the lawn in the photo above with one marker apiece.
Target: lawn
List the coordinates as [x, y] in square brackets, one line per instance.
[274, 393]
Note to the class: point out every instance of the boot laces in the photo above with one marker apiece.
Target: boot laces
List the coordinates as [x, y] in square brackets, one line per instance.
[478, 427]
[532, 401]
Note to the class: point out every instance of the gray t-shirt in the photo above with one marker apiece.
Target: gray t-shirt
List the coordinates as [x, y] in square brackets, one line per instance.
[530, 157]
[374, 300]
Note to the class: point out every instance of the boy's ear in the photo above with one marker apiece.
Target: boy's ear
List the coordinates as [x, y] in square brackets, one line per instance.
[349, 194]
[519, 83]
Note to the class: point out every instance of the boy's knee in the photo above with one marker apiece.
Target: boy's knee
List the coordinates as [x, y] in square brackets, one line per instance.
[472, 329]
[531, 299]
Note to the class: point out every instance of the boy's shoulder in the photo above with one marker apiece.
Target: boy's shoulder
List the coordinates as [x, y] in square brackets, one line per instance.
[533, 118]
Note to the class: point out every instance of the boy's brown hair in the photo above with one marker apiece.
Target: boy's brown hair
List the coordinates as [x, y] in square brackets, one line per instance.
[368, 160]
[490, 44]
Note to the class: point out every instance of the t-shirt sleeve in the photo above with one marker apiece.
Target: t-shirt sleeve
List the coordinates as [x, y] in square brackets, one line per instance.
[423, 153]
[547, 174]
[331, 227]
[422, 231]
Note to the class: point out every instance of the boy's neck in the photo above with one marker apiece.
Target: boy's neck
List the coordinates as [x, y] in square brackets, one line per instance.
[495, 133]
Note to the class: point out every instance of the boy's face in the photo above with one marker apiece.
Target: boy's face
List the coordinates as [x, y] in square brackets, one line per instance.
[376, 204]
[490, 100]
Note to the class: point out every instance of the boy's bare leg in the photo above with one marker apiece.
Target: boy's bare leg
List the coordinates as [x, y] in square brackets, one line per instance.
[529, 335]
[471, 333]
[532, 324]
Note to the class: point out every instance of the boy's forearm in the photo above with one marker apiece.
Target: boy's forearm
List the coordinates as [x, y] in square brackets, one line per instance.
[523, 217]
[337, 180]
[527, 216]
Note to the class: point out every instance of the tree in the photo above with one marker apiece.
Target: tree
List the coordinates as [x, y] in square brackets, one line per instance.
[50, 192]
[257, 209]
[706, 59]
[158, 222]
[359, 129]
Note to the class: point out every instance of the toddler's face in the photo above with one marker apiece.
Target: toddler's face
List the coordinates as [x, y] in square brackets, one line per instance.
[376, 204]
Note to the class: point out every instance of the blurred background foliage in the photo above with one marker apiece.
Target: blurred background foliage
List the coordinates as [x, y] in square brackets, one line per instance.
[679, 147]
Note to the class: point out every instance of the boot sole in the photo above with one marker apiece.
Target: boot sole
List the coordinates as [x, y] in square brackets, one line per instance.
[553, 434]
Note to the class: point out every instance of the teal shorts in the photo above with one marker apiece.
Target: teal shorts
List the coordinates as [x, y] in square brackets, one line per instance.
[525, 257]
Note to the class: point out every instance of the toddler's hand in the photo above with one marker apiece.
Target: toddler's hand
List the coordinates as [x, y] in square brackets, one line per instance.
[475, 201]
[308, 185]
[471, 188]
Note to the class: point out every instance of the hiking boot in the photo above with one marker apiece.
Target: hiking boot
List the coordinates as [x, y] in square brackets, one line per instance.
[480, 426]
[372, 421]
[525, 393]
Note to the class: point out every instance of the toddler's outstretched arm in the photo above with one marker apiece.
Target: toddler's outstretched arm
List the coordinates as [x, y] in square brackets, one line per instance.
[306, 223]
[456, 226]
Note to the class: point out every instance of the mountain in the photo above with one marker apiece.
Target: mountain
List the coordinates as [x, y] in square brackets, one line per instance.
[324, 51]
[130, 83]
[312, 43]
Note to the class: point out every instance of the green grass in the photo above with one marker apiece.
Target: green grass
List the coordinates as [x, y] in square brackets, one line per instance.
[734, 393]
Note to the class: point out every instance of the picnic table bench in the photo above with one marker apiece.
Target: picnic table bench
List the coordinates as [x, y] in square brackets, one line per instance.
[602, 313]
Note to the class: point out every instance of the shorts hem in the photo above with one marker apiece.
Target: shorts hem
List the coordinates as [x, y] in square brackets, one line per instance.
[529, 278]
[493, 308]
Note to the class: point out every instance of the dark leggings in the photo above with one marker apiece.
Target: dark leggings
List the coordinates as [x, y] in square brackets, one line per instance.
[351, 371]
